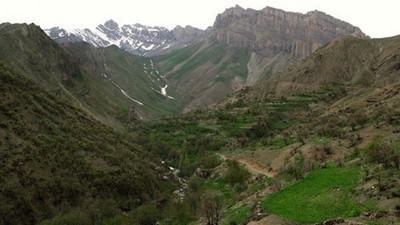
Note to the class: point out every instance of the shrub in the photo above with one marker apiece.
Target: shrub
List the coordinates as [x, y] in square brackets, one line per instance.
[356, 118]
[379, 151]
[236, 173]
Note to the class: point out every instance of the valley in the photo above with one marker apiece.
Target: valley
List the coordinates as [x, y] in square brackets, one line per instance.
[267, 117]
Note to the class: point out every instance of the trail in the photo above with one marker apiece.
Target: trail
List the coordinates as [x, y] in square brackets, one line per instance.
[251, 165]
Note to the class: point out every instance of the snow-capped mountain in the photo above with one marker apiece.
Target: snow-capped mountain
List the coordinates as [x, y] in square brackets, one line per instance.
[136, 39]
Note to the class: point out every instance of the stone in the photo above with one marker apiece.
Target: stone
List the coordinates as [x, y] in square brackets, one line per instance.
[262, 30]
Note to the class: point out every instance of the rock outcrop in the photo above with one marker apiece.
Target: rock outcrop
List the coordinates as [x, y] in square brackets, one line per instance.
[272, 31]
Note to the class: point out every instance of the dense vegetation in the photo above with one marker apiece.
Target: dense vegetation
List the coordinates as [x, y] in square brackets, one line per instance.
[54, 157]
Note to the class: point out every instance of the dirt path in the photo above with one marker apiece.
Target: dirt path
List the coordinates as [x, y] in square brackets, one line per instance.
[251, 165]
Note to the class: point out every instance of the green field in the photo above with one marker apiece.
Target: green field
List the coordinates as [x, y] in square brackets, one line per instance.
[323, 194]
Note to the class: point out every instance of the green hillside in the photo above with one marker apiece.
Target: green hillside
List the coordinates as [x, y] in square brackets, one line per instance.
[114, 69]
[55, 158]
[109, 83]
[203, 73]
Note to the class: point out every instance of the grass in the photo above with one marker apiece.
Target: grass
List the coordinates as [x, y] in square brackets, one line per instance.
[237, 214]
[323, 194]
[219, 183]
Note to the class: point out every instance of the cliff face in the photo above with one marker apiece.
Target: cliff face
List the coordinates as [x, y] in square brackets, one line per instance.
[271, 31]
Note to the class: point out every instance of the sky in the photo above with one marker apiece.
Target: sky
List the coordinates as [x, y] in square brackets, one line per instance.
[375, 18]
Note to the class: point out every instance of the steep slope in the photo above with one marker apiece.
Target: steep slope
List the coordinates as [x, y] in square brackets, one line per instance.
[203, 73]
[269, 31]
[56, 158]
[244, 47]
[346, 62]
[136, 38]
[109, 83]
[133, 76]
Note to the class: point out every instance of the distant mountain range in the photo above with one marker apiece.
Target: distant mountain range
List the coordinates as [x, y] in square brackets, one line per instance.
[188, 68]
[137, 39]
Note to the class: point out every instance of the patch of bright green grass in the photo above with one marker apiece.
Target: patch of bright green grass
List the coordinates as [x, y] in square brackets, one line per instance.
[323, 194]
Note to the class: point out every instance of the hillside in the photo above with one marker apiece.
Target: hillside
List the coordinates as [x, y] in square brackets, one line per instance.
[116, 70]
[243, 47]
[319, 141]
[59, 162]
[344, 62]
[112, 85]
[315, 143]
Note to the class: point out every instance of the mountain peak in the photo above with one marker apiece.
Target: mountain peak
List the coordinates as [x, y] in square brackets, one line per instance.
[238, 7]
[111, 24]
[230, 15]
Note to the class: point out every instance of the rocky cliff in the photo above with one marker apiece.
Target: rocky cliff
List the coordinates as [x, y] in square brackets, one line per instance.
[271, 31]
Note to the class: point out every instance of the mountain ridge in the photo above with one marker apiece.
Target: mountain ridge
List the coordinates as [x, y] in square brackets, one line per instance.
[297, 33]
[252, 45]
[135, 38]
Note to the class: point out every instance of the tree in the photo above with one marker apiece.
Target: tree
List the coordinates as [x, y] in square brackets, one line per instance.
[212, 205]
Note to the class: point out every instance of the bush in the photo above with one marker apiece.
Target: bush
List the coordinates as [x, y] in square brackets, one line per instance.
[236, 173]
[356, 118]
[210, 161]
[195, 183]
[146, 214]
[381, 151]
[296, 166]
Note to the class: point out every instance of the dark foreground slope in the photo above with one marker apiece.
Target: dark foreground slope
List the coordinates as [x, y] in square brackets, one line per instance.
[55, 157]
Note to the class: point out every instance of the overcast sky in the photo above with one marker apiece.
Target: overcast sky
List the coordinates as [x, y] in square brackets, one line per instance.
[375, 18]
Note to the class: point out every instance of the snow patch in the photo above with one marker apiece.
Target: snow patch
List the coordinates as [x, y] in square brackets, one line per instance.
[126, 94]
[169, 45]
[148, 47]
[164, 90]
